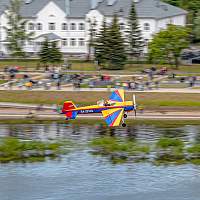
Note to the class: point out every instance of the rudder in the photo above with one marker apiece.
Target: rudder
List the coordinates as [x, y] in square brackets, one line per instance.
[68, 105]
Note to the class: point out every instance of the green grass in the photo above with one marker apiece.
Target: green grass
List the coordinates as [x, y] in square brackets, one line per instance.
[150, 101]
[13, 149]
[90, 66]
[170, 150]
[96, 122]
[112, 144]
[3, 81]
[166, 143]
[119, 149]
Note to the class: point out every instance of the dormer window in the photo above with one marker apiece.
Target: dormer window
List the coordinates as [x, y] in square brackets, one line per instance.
[81, 26]
[30, 26]
[52, 26]
[39, 26]
[64, 26]
[73, 26]
[146, 26]
[122, 26]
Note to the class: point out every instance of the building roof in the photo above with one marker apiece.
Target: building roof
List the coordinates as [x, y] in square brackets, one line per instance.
[79, 8]
[144, 8]
[49, 36]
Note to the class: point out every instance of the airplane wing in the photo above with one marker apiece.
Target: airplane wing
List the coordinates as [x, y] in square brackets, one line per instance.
[113, 116]
[117, 96]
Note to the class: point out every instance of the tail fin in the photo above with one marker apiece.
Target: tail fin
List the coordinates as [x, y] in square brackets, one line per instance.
[68, 105]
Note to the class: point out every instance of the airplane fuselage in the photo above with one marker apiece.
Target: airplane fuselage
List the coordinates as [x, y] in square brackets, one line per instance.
[127, 105]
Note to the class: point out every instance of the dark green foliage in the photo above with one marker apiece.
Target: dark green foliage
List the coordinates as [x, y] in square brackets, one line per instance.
[91, 41]
[117, 56]
[50, 53]
[109, 46]
[192, 6]
[135, 42]
[102, 48]
[196, 30]
[166, 143]
[45, 52]
[55, 54]
[16, 33]
[168, 44]
[13, 149]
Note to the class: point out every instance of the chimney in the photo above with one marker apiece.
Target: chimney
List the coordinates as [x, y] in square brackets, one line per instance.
[111, 2]
[94, 3]
[67, 7]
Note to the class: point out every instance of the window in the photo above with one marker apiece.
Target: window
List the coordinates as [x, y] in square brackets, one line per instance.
[52, 26]
[146, 26]
[38, 44]
[81, 42]
[64, 42]
[73, 42]
[81, 26]
[122, 26]
[146, 41]
[73, 26]
[39, 26]
[31, 26]
[30, 42]
[64, 26]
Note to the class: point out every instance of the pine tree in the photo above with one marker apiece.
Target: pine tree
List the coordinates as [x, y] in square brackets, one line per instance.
[55, 53]
[102, 48]
[196, 29]
[135, 42]
[91, 41]
[16, 33]
[44, 53]
[117, 55]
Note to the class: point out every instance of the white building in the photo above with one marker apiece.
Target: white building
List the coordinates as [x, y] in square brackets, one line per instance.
[66, 21]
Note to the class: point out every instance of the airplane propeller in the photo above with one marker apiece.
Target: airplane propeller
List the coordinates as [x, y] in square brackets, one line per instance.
[135, 105]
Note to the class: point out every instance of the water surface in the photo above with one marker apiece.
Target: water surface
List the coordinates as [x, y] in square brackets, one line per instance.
[81, 176]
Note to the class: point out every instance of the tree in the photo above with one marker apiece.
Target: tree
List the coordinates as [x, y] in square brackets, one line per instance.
[50, 53]
[55, 54]
[44, 53]
[91, 42]
[197, 27]
[16, 33]
[168, 44]
[117, 54]
[135, 40]
[101, 45]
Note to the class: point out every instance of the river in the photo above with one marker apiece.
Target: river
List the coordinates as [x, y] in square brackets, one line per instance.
[80, 175]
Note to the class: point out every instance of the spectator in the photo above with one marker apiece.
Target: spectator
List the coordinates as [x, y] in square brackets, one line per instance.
[157, 84]
[58, 85]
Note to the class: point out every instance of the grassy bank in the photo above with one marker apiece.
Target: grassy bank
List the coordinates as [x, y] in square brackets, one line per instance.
[164, 151]
[150, 101]
[100, 122]
[90, 66]
[13, 149]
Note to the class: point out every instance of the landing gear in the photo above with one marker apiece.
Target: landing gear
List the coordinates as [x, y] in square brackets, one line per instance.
[123, 125]
[125, 116]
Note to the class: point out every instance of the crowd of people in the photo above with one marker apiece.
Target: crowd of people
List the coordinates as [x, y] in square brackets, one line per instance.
[54, 78]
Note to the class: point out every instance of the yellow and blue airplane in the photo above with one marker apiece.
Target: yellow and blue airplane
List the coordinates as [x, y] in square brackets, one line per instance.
[114, 110]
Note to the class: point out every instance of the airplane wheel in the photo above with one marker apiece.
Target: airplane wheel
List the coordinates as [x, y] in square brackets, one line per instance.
[125, 115]
[123, 125]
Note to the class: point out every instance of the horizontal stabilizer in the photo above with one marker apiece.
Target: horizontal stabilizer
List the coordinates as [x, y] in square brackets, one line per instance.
[71, 114]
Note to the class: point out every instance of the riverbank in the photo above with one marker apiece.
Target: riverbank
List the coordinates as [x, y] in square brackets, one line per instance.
[176, 102]
[101, 123]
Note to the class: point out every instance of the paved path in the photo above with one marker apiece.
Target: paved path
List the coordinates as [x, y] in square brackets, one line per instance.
[49, 113]
[161, 90]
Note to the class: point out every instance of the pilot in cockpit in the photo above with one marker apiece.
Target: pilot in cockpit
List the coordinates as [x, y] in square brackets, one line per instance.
[102, 102]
